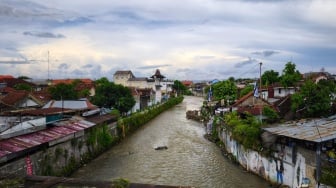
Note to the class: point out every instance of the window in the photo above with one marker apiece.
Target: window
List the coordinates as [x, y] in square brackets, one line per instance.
[279, 91]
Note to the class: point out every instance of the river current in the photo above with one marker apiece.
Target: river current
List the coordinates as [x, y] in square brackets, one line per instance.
[190, 159]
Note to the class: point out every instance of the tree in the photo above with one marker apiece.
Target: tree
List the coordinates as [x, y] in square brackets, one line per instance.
[23, 86]
[269, 77]
[290, 75]
[248, 88]
[272, 115]
[24, 78]
[180, 88]
[314, 99]
[110, 95]
[226, 90]
[63, 91]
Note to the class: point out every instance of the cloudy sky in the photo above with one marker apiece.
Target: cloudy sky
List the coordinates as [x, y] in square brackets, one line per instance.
[185, 39]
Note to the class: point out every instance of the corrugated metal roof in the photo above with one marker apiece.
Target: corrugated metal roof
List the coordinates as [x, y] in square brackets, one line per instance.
[70, 104]
[11, 146]
[311, 130]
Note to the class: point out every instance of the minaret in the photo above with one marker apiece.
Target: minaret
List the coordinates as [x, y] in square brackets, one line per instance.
[158, 77]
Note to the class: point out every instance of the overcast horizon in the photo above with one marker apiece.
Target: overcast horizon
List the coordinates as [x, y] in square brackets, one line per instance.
[186, 40]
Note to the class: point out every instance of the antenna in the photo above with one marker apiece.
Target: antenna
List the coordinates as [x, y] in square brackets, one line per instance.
[48, 66]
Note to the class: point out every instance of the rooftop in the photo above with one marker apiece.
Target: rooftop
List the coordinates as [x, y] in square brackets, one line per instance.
[315, 130]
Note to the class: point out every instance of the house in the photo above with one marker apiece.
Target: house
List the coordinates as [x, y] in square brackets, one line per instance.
[18, 100]
[9, 81]
[122, 76]
[302, 147]
[143, 98]
[156, 82]
[187, 83]
[252, 105]
[317, 76]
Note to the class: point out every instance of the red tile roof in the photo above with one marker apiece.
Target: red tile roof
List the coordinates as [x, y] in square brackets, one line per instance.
[13, 98]
[11, 82]
[6, 76]
[70, 81]
[187, 83]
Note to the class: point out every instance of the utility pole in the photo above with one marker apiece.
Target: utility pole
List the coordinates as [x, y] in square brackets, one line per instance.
[48, 66]
[260, 91]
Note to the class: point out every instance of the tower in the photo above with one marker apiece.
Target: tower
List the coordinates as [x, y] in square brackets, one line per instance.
[158, 77]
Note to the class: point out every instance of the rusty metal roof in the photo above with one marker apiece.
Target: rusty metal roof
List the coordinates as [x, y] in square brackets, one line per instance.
[316, 130]
[12, 147]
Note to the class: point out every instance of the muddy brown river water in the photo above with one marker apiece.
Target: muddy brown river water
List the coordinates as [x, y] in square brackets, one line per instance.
[190, 159]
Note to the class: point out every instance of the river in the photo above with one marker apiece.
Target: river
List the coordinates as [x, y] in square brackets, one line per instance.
[190, 159]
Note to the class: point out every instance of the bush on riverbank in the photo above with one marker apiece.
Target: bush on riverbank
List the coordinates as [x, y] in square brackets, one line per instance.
[246, 130]
[129, 124]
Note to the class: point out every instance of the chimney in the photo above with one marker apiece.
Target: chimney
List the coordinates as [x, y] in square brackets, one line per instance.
[270, 90]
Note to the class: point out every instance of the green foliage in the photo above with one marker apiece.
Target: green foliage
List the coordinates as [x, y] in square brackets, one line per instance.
[110, 95]
[181, 89]
[269, 77]
[120, 183]
[226, 90]
[14, 182]
[313, 99]
[328, 177]
[71, 166]
[23, 78]
[290, 75]
[272, 115]
[104, 137]
[23, 86]
[246, 131]
[131, 123]
[115, 112]
[63, 91]
[85, 93]
[247, 89]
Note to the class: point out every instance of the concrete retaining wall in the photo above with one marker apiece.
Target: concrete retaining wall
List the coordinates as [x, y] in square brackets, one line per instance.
[53, 158]
[266, 167]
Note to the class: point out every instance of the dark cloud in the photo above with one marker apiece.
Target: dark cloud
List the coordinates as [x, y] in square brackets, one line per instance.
[15, 62]
[247, 62]
[153, 66]
[87, 66]
[43, 34]
[75, 21]
[63, 66]
[266, 53]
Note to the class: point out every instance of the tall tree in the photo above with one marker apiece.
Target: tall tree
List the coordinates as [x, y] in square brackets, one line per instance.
[313, 99]
[110, 95]
[226, 90]
[269, 77]
[290, 75]
[63, 91]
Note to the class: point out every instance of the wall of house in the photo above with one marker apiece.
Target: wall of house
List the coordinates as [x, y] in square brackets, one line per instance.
[266, 166]
[282, 92]
[138, 84]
